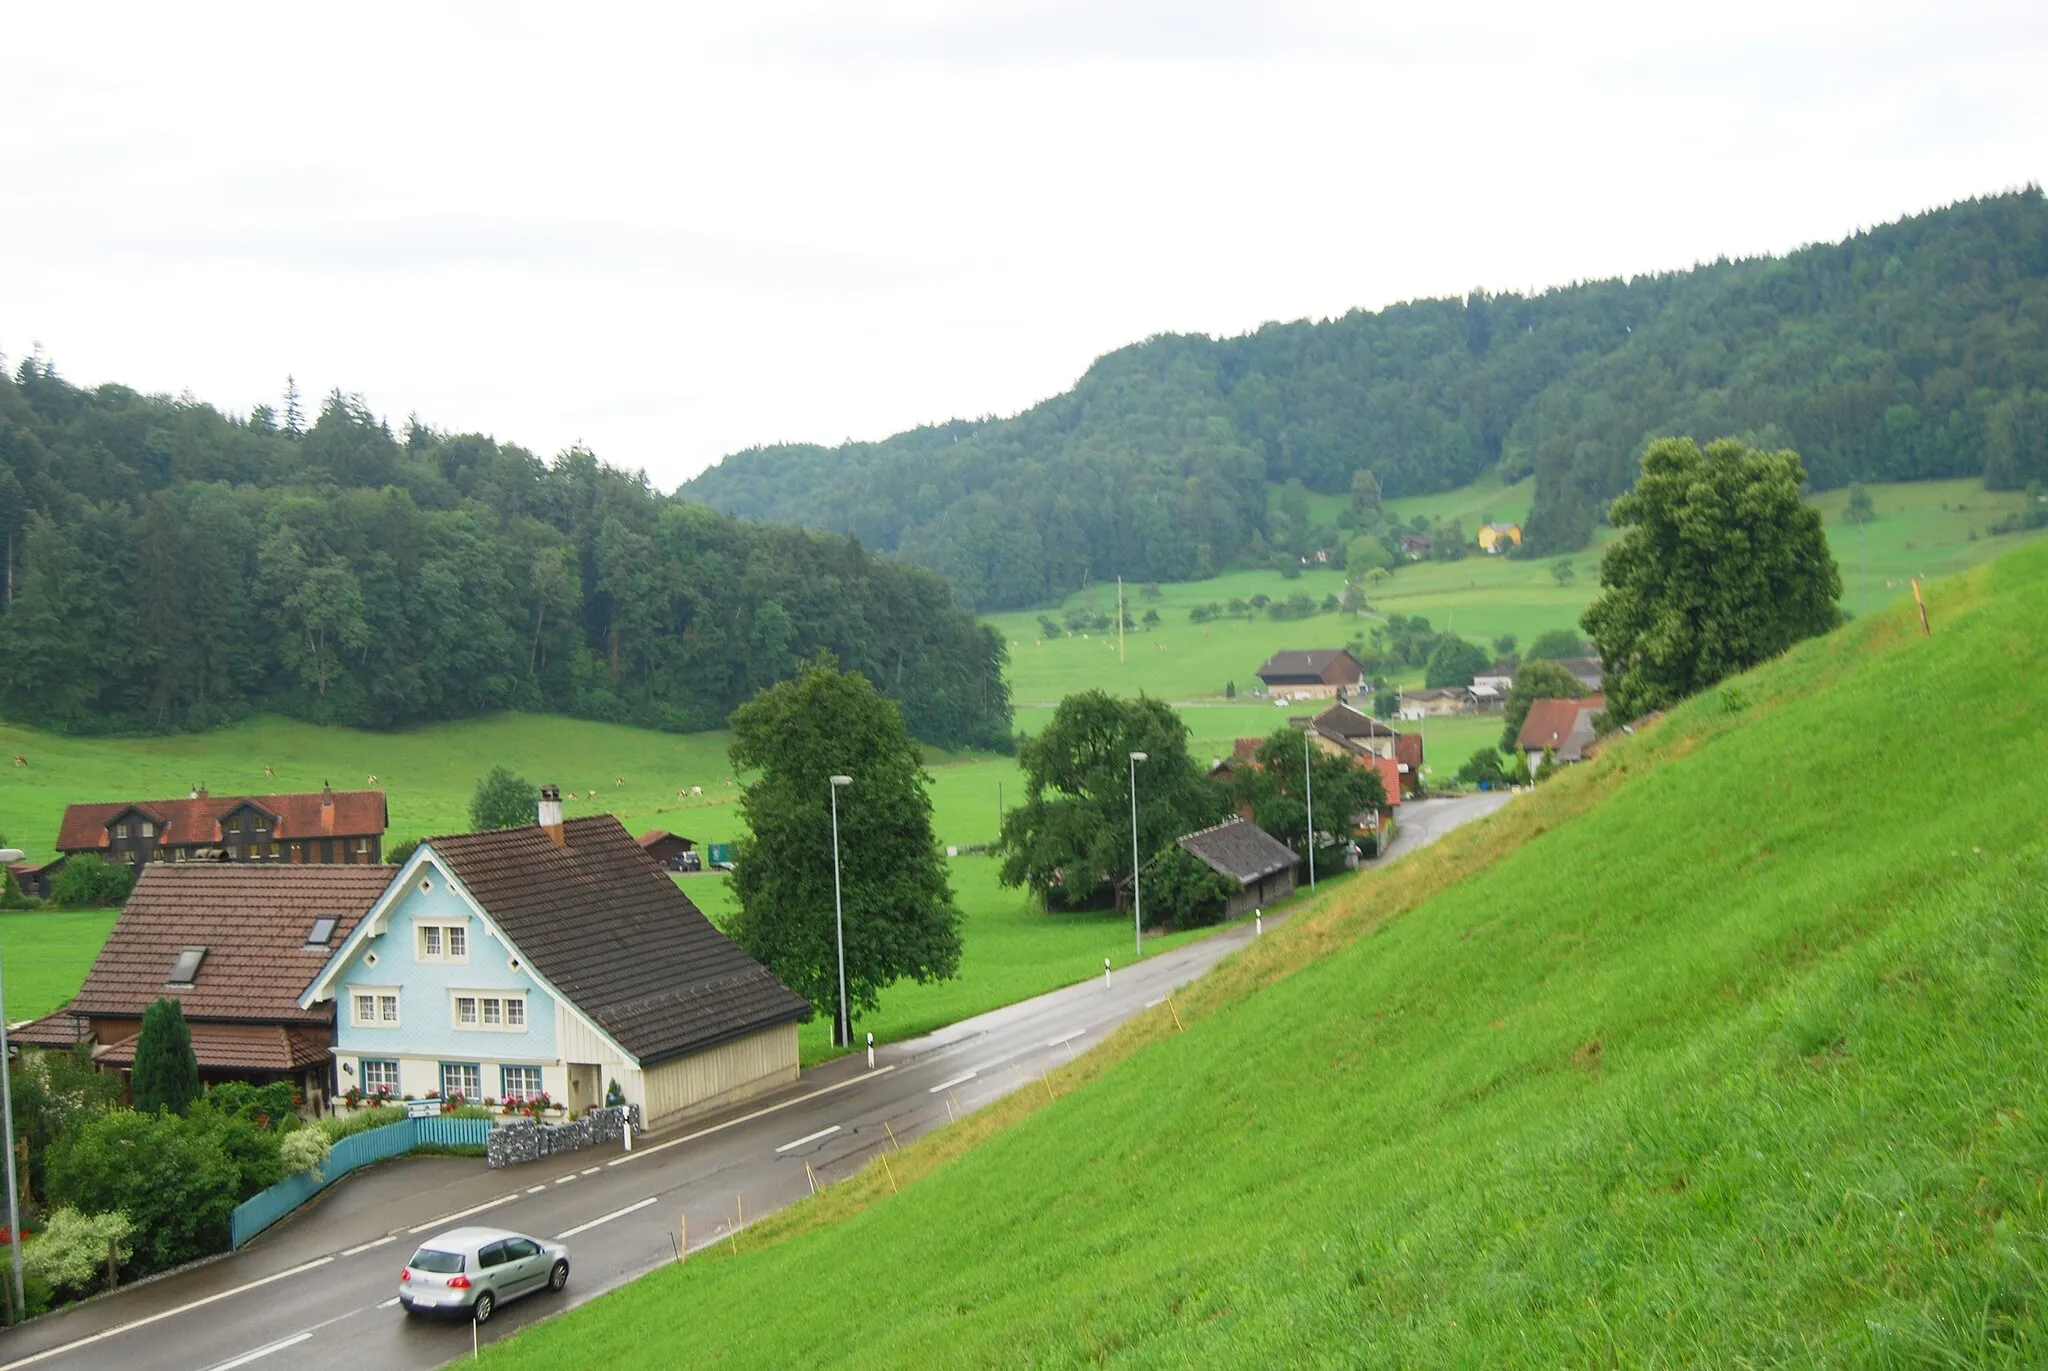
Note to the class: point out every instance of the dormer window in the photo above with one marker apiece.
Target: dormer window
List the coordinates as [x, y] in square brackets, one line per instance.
[186, 968]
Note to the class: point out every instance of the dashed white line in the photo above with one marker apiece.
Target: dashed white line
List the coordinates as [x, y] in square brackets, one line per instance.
[564, 1180]
[261, 1352]
[536, 1189]
[605, 1218]
[366, 1246]
[458, 1214]
[133, 1324]
[961, 1079]
[809, 1138]
[744, 1118]
[588, 1171]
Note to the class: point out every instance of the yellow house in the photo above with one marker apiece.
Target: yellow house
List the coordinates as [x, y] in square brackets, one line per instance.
[1497, 537]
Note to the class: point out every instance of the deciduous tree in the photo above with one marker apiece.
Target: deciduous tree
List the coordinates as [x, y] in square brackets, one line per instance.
[1278, 793]
[503, 799]
[1535, 680]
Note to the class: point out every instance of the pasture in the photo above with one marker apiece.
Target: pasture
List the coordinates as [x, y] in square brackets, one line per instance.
[45, 954]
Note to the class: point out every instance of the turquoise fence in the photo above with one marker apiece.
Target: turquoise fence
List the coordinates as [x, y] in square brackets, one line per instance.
[265, 1208]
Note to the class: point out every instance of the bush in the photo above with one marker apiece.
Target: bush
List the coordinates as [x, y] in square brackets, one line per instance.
[1183, 891]
[303, 1150]
[274, 1106]
[253, 1148]
[1048, 627]
[70, 1254]
[166, 1173]
[89, 881]
[346, 1126]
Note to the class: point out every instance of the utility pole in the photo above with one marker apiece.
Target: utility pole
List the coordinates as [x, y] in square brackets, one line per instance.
[1120, 619]
[842, 1031]
[1137, 909]
[7, 1109]
[1309, 791]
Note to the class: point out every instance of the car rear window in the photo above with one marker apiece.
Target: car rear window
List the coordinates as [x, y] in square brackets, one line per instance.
[440, 1263]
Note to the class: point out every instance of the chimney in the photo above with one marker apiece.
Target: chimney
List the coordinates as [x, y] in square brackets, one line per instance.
[551, 815]
[326, 795]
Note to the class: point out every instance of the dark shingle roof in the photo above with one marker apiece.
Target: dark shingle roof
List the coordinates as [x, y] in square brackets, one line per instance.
[1306, 665]
[1342, 721]
[252, 920]
[1240, 848]
[608, 929]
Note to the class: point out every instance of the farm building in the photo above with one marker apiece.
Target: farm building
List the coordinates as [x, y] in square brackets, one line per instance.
[1312, 673]
[1260, 863]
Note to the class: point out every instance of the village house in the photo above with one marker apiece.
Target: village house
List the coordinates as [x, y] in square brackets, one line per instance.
[1318, 673]
[1342, 727]
[1435, 701]
[235, 945]
[667, 849]
[1562, 727]
[1497, 538]
[1263, 866]
[558, 959]
[1586, 670]
[326, 827]
[1415, 546]
[1499, 678]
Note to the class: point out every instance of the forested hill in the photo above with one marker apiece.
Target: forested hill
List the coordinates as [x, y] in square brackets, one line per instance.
[167, 566]
[1918, 349]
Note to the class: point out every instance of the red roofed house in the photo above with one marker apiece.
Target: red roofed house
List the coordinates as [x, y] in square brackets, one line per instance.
[329, 827]
[1563, 727]
[235, 945]
[668, 849]
[1408, 753]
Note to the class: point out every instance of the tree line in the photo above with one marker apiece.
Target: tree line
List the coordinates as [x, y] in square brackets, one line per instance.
[1913, 350]
[164, 565]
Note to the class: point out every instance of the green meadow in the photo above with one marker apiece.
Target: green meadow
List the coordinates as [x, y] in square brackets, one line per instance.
[44, 955]
[1706, 1053]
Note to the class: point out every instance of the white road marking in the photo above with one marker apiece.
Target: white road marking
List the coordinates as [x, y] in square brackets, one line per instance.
[744, 1118]
[1061, 1042]
[588, 1171]
[133, 1324]
[458, 1214]
[961, 1079]
[809, 1138]
[607, 1218]
[564, 1180]
[261, 1352]
[366, 1246]
[1154, 1004]
[388, 1303]
[536, 1189]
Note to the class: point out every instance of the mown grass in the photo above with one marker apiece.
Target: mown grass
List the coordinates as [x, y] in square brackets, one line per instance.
[1723, 1051]
[45, 955]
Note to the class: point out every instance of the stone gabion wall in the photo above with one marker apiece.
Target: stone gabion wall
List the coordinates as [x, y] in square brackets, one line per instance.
[526, 1140]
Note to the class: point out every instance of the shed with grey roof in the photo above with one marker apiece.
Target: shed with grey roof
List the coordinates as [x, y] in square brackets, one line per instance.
[1261, 864]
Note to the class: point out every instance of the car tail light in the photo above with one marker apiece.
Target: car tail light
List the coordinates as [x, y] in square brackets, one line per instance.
[459, 1283]
[405, 1275]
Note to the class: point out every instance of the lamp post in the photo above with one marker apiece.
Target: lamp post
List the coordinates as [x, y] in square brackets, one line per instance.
[844, 1028]
[10, 854]
[1137, 905]
[1308, 785]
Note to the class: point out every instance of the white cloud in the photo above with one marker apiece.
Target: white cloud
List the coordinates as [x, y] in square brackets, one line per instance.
[671, 233]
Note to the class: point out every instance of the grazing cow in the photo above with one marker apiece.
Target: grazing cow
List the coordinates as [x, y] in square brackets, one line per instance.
[592, 795]
[696, 790]
[369, 780]
[20, 760]
[268, 772]
[681, 794]
[618, 780]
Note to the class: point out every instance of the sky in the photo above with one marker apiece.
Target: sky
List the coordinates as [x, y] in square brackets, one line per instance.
[668, 233]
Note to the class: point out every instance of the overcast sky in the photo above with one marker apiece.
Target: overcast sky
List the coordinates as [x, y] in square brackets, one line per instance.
[675, 233]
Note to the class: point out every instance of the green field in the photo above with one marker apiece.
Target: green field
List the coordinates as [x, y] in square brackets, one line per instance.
[1717, 1051]
[1011, 952]
[45, 954]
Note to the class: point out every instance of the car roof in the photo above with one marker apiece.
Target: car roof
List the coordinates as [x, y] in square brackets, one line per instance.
[469, 1239]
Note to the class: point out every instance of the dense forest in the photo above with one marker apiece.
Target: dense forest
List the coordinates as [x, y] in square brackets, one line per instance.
[168, 566]
[1918, 349]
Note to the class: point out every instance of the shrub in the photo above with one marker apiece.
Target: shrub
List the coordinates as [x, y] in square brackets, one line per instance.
[274, 1106]
[362, 1121]
[1183, 891]
[252, 1147]
[613, 1096]
[89, 881]
[303, 1150]
[71, 1251]
[172, 1178]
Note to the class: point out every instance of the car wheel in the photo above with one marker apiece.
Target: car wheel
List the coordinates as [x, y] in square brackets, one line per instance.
[559, 1277]
[481, 1310]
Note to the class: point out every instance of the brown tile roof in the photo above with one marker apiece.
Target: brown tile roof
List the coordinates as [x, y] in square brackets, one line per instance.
[1408, 750]
[238, 1047]
[609, 930]
[1565, 726]
[660, 835]
[196, 819]
[1239, 848]
[60, 1029]
[252, 921]
[1304, 667]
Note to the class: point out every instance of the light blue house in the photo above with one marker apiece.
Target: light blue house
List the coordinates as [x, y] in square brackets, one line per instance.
[553, 959]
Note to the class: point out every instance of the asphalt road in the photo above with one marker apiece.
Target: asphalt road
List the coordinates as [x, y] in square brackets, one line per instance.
[320, 1289]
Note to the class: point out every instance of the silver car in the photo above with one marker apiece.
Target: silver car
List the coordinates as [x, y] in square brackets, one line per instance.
[472, 1271]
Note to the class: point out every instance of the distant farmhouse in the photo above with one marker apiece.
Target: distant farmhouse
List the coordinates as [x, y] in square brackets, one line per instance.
[1564, 728]
[1263, 866]
[1318, 673]
[327, 827]
[1586, 669]
[1499, 537]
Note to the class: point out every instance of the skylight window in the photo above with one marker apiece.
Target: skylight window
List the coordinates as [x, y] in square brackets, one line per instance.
[323, 929]
[186, 968]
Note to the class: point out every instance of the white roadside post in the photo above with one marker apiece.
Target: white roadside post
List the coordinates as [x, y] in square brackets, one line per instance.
[1258, 923]
[7, 1109]
[842, 1032]
[1105, 973]
[871, 1052]
[626, 1125]
[1137, 907]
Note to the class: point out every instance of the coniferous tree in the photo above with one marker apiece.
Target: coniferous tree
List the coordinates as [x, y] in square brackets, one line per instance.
[166, 1071]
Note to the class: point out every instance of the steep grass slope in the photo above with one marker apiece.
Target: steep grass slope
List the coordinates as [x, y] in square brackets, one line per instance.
[1739, 1065]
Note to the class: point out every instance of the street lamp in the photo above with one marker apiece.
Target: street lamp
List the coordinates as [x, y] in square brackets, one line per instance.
[1137, 906]
[844, 1028]
[1309, 788]
[11, 854]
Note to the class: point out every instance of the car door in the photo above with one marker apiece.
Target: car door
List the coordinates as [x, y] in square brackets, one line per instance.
[526, 1263]
[494, 1272]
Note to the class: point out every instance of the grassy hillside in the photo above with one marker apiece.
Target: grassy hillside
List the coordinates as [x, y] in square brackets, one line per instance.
[1721, 1050]
[46, 954]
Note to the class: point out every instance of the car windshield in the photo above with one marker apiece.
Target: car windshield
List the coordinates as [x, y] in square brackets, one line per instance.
[440, 1263]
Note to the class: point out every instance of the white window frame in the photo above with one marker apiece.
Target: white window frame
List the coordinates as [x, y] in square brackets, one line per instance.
[450, 932]
[505, 1091]
[380, 996]
[467, 1098]
[369, 1087]
[483, 999]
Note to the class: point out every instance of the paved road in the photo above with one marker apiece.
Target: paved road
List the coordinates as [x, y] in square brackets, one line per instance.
[318, 1290]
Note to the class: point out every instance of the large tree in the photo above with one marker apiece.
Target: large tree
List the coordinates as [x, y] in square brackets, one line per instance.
[1279, 794]
[166, 1073]
[1454, 662]
[1072, 834]
[899, 915]
[1535, 681]
[1720, 565]
[503, 799]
